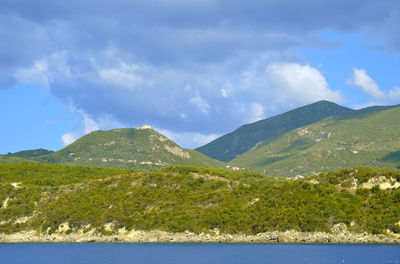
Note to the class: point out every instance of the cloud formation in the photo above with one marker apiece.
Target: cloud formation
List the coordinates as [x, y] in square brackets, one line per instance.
[362, 81]
[189, 67]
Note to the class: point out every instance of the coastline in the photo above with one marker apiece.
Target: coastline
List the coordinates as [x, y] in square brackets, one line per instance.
[158, 236]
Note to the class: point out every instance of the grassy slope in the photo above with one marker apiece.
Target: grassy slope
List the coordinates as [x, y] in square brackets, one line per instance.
[229, 146]
[334, 143]
[10, 159]
[188, 198]
[127, 148]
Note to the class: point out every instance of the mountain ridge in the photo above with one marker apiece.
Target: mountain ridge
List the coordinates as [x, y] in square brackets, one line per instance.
[369, 138]
[228, 146]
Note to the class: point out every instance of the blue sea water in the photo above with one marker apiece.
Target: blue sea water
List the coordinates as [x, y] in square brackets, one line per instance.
[197, 253]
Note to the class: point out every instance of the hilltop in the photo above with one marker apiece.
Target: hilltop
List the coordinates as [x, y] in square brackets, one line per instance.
[129, 148]
[30, 153]
[365, 138]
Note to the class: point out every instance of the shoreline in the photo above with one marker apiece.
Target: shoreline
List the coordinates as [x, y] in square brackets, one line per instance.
[157, 236]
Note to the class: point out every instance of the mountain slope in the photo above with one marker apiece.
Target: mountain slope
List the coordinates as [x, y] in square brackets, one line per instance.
[30, 153]
[229, 146]
[335, 143]
[127, 148]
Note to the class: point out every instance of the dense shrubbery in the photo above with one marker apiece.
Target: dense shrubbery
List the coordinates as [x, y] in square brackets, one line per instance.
[361, 174]
[183, 198]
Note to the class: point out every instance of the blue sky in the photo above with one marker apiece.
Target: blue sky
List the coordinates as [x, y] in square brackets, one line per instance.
[192, 69]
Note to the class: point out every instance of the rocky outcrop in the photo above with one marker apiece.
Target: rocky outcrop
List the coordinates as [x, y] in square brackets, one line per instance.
[339, 234]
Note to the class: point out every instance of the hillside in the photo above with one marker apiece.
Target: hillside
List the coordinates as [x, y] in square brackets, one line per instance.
[10, 159]
[369, 138]
[227, 147]
[62, 200]
[129, 148]
[30, 153]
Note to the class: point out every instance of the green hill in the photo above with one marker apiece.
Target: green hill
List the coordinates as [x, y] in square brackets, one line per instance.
[227, 147]
[30, 153]
[129, 148]
[366, 138]
[47, 197]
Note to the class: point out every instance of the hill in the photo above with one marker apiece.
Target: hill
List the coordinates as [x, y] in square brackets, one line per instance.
[61, 200]
[366, 138]
[129, 148]
[227, 147]
[30, 153]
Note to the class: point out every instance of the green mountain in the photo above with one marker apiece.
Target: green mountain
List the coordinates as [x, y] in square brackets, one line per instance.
[227, 147]
[370, 137]
[60, 200]
[130, 148]
[30, 153]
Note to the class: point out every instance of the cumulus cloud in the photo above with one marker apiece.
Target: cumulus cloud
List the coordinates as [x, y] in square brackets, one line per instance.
[69, 138]
[188, 67]
[299, 84]
[362, 81]
[181, 102]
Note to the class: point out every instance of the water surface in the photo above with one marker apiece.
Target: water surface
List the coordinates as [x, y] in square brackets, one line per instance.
[197, 253]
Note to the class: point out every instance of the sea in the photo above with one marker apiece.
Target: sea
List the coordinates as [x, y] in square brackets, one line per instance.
[164, 253]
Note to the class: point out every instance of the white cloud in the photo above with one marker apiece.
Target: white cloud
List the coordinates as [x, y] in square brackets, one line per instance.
[394, 95]
[188, 139]
[123, 76]
[256, 112]
[45, 71]
[36, 74]
[201, 104]
[69, 138]
[360, 80]
[298, 84]
[224, 93]
[89, 125]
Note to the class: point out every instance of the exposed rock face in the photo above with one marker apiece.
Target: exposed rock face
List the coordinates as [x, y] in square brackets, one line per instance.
[5, 203]
[382, 182]
[339, 234]
[177, 151]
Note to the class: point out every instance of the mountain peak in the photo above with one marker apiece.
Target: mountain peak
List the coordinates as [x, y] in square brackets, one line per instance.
[227, 147]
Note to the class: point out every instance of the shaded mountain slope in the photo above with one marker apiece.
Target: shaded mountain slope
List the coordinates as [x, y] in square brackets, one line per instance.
[227, 147]
[335, 143]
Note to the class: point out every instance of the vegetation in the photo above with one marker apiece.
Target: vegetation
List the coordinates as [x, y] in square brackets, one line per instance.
[370, 138]
[127, 148]
[227, 147]
[179, 198]
[30, 153]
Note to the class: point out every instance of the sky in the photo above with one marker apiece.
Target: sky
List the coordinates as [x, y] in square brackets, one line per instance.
[192, 69]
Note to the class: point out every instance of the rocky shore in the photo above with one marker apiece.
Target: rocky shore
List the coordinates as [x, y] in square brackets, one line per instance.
[339, 234]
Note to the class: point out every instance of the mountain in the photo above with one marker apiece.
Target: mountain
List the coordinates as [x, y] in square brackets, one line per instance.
[30, 153]
[227, 147]
[131, 148]
[366, 138]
